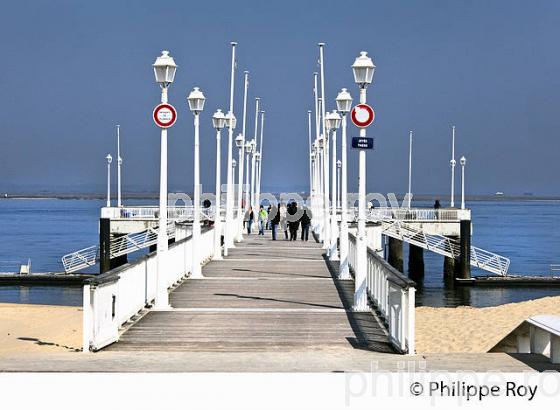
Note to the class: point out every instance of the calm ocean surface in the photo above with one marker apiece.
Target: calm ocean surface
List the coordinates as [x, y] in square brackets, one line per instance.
[527, 232]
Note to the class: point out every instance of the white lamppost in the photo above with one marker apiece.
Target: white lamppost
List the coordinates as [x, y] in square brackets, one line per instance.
[338, 165]
[218, 121]
[233, 165]
[253, 172]
[322, 205]
[259, 164]
[253, 160]
[164, 71]
[109, 159]
[409, 169]
[248, 151]
[453, 163]
[312, 180]
[317, 215]
[317, 227]
[344, 105]
[239, 237]
[230, 123]
[323, 100]
[333, 120]
[363, 68]
[119, 165]
[463, 162]
[196, 104]
[310, 198]
[240, 144]
[258, 174]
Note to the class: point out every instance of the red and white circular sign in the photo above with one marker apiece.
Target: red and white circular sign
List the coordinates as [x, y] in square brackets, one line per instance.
[165, 115]
[362, 115]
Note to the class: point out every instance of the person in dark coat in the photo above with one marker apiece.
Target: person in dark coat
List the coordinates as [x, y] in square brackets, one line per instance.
[249, 218]
[274, 218]
[293, 222]
[305, 223]
[437, 206]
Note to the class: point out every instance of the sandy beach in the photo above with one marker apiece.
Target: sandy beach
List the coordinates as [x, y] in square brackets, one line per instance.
[58, 329]
[39, 329]
[474, 330]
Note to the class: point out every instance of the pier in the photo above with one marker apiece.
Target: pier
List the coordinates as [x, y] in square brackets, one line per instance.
[264, 293]
[264, 296]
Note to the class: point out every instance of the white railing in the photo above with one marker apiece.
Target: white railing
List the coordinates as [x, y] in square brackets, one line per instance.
[81, 259]
[439, 244]
[413, 214]
[392, 295]
[445, 246]
[121, 245]
[152, 212]
[489, 261]
[117, 296]
[126, 244]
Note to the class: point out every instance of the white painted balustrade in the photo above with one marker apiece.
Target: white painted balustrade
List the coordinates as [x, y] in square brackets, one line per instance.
[393, 296]
[115, 297]
[414, 214]
[152, 212]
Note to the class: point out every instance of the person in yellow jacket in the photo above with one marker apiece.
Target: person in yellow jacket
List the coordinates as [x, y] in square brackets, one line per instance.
[263, 217]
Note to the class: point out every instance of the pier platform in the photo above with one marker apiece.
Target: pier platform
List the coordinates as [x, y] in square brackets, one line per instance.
[265, 296]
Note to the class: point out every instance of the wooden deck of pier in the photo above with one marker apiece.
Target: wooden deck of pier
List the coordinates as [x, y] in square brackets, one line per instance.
[265, 296]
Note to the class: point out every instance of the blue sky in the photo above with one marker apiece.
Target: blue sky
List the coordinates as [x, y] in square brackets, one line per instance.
[72, 70]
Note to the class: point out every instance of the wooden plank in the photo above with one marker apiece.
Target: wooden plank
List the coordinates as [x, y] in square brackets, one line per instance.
[265, 296]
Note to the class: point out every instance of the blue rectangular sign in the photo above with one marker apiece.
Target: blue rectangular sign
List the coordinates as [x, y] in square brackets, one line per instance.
[362, 142]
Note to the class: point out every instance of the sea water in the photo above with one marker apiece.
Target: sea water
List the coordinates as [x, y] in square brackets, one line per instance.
[527, 232]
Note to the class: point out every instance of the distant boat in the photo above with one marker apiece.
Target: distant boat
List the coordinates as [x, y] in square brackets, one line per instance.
[499, 193]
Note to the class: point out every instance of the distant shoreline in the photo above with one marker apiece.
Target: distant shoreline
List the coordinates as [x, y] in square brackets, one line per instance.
[155, 196]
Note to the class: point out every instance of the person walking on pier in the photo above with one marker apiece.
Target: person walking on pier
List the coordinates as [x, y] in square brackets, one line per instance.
[274, 218]
[293, 221]
[305, 223]
[268, 221]
[437, 206]
[263, 216]
[249, 218]
[284, 220]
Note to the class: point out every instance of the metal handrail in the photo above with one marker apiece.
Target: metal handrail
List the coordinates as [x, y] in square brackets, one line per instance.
[119, 246]
[445, 246]
[80, 259]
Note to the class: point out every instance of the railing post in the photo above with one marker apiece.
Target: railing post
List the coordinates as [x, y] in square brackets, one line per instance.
[87, 319]
[403, 317]
[104, 245]
[411, 321]
[465, 246]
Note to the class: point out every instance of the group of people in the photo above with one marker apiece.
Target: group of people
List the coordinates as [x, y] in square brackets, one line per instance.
[288, 217]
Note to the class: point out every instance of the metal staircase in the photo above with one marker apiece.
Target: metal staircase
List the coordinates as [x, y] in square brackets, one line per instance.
[445, 246]
[121, 245]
